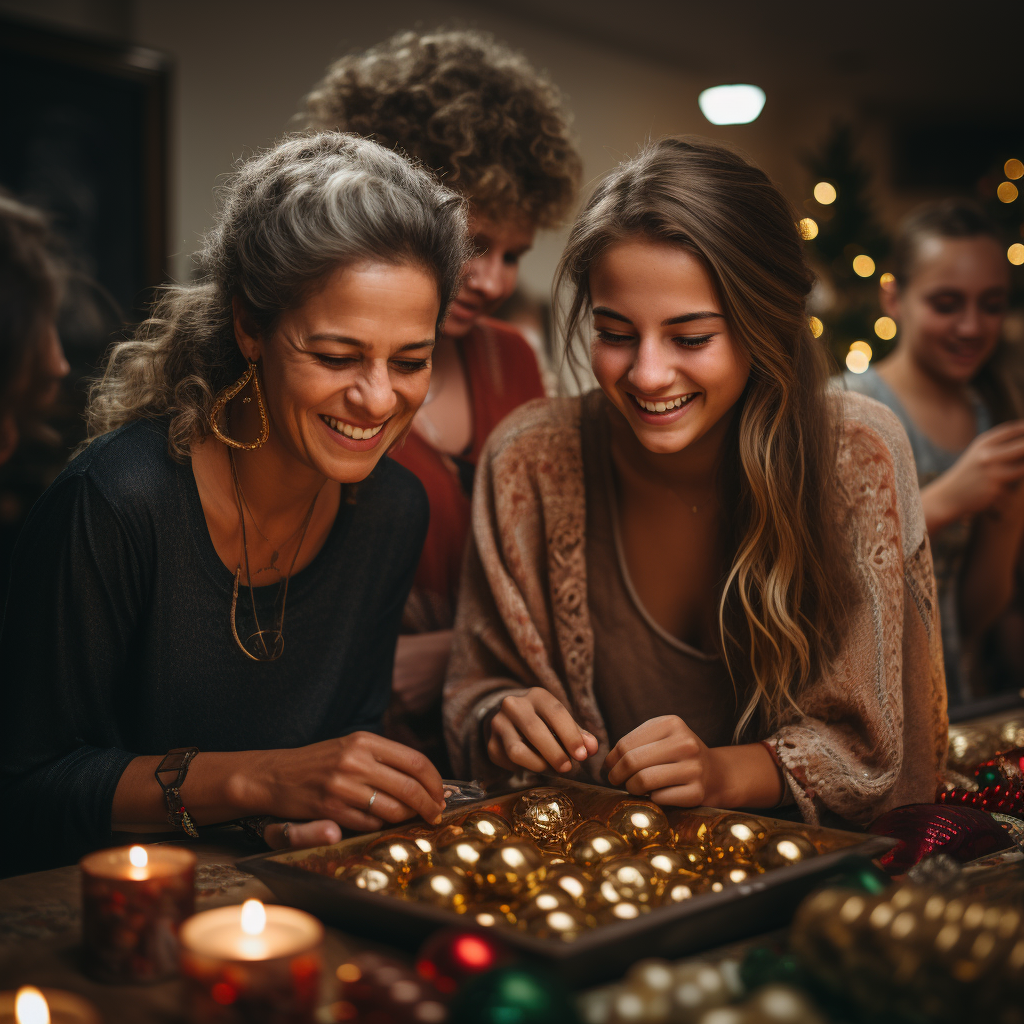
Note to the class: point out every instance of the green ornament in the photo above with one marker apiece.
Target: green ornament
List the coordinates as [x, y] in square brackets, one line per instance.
[512, 995]
[763, 966]
[859, 873]
[986, 777]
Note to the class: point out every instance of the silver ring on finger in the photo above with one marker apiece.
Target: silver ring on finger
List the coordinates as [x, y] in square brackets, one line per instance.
[373, 796]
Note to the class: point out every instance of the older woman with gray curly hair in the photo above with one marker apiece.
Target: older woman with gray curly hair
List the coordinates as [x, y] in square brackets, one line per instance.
[204, 606]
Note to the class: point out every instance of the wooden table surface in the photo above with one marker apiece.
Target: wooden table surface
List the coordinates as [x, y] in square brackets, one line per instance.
[40, 918]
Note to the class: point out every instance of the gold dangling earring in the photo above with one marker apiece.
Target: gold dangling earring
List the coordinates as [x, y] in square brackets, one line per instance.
[225, 396]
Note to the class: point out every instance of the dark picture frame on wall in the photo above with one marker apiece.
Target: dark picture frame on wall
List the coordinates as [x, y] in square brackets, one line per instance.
[84, 136]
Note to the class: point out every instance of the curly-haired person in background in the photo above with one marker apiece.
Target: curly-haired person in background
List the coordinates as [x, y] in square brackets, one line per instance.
[494, 129]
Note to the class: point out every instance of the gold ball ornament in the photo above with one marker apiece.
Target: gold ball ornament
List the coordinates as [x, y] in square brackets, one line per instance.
[566, 924]
[639, 822]
[486, 825]
[737, 837]
[509, 868]
[629, 878]
[696, 989]
[671, 864]
[678, 892]
[542, 901]
[591, 842]
[615, 913]
[440, 887]
[402, 854]
[491, 915]
[571, 880]
[781, 849]
[543, 815]
[459, 853]
[781, 1004]
[690, 830]
[369, 876]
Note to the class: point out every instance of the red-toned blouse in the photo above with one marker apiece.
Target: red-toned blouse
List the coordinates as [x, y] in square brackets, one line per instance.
[501, 374]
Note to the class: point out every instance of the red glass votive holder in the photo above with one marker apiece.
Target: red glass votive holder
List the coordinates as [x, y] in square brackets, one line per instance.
[252, 965]
[134, 900]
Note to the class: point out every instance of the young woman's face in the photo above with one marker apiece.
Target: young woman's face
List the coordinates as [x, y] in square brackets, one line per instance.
[662, 351]
[951, 310]
[344, 374]
[490, 277]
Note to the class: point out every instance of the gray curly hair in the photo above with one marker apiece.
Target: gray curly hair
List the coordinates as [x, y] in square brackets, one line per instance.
[289, 215]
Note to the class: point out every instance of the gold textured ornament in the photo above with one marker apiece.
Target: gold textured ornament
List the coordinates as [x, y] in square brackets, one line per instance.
[565, 924]
[737, 837]
[678, 892]
[491, 915]
[543, 815]
[724, 875]
[629, 878]
[542, 901]
[440, 887]
[624, 910]
[781, 849]
[572, 880]
[486, 825]
[670, 864]
[460, 853]
[509, 868]
[591, 842]
[400, 853]
[368, 875]
[639, 822]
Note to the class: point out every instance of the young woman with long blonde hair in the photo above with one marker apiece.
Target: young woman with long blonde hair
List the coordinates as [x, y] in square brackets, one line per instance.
[709, 580]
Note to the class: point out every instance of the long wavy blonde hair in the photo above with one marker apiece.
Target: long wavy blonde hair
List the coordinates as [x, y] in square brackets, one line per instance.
[783, 604]
[289, 216]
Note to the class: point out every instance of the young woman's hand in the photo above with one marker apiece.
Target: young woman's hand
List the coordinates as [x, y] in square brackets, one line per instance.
[990, 464]
[663, 758]
[534, 731]
[358, 782]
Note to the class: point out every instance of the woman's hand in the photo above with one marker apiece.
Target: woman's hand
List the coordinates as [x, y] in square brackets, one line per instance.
[663, 758]
[534, 731]
[420, 663]
[357, 782]
[990, 464]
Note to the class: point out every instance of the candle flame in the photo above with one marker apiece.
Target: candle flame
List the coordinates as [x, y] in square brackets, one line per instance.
[254, 917]
[138, 857]
[30, 1006]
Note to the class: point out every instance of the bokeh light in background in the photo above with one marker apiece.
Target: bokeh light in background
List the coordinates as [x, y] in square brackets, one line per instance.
[863, 266]
[1015, 254]
[863, 347]
[732, 104]
[885, 328]
[825, 193]
[808, 228]
[857, 360]
[887, 280]
[1013, 169]
[816, 326]
[1007, 192]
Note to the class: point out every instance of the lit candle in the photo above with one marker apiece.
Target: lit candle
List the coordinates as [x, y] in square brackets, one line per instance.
[30, 1005]
[252, 963]
[133, 902]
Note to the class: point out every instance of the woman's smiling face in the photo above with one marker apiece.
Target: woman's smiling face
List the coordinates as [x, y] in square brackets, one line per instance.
[662, 350]
[345, 372]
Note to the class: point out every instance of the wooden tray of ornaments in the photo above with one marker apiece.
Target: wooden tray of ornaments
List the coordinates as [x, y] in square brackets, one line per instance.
[586, 878]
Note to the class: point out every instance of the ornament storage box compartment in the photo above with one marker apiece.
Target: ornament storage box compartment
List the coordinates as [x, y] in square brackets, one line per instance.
[761, 902]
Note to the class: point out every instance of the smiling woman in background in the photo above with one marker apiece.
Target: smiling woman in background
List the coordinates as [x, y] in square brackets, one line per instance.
[224, 566]
[949, 384]
[495, 130]
[709, 579]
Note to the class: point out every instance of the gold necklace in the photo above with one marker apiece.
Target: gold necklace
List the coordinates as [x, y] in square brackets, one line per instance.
[264, 651]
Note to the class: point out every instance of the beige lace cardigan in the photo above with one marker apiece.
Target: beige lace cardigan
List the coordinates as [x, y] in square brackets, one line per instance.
[873, 732]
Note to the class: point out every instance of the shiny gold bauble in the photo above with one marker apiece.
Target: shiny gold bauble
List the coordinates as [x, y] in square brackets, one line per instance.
[543, 815]
[460, 853]
[369, 876]
[781, 849]
[624, 910]
[542, 901]
[725, 875]
[675, 865]
[424, 838]
[679, 892]
[486, 825]
[628, 878]
[400, 853]
[490, 915]
[591, 842]
[690, 830]
[566, 924]
[639, 822]
[572, 880]
[737, 837]
[440, 887]
[506, 869]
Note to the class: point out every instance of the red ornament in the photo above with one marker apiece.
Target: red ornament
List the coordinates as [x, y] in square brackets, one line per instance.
[450, 956]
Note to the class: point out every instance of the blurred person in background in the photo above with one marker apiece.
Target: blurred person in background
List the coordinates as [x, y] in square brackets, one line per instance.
[32, 362]
[949, 382]
[493, 128]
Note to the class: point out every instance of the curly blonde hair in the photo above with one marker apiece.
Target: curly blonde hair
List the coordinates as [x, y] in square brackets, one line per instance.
[470, 109]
